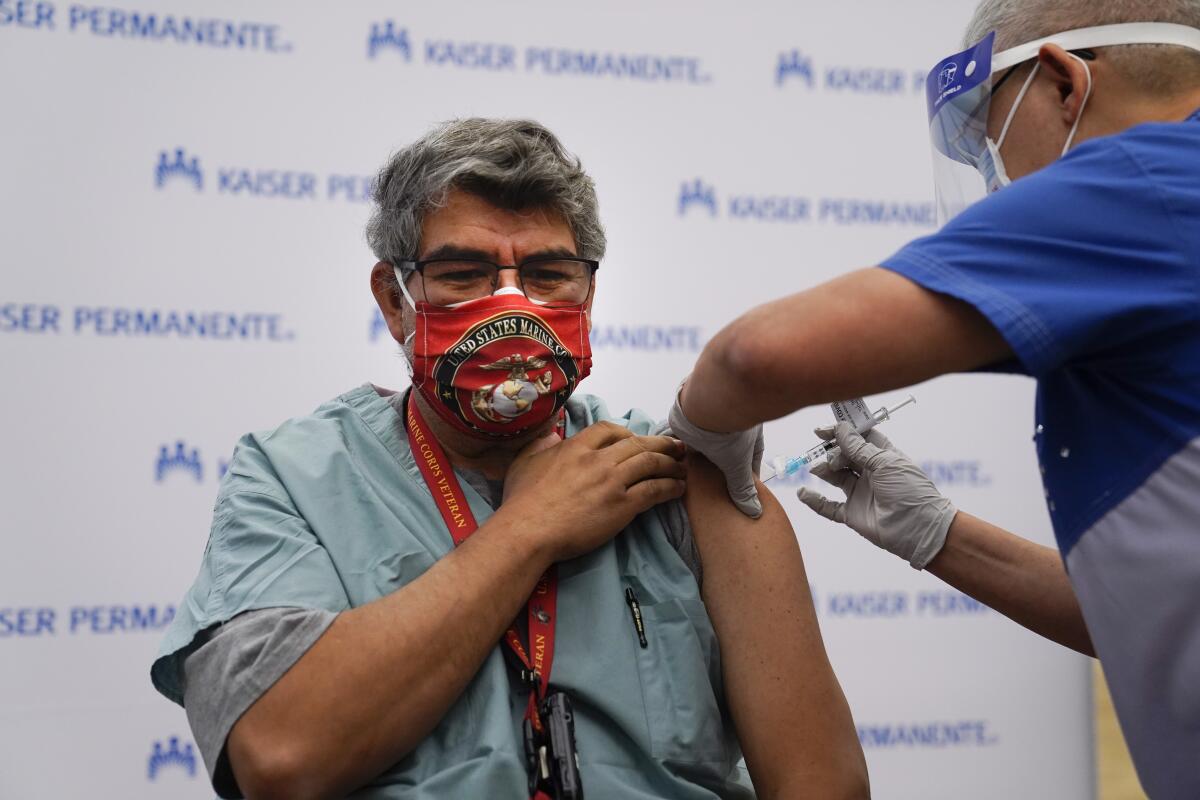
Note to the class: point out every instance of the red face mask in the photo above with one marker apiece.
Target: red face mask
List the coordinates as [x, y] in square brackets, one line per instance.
[501, 365]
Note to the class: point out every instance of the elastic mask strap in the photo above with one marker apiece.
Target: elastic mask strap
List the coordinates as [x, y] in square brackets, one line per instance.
[1087, 95]
[1012, 112]
[411, 304]
[404, 289]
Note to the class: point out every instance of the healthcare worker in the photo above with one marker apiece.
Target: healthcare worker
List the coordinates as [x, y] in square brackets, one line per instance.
[1083, 273]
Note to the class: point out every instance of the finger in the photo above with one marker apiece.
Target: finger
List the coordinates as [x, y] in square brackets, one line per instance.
[857, 450]
[825, 431]
[648, 465]
[759, 447]
[876, 437]
[632, 446]
[745, 498]
[829, 509]
[843, 479]
[543, 442]
[650, 493]
[740, 483]
[601, 434]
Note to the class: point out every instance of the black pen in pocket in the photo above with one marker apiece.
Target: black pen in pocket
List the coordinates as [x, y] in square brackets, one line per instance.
[636, 610]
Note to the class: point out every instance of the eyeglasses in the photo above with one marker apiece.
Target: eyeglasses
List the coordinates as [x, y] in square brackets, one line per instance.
[553, 280]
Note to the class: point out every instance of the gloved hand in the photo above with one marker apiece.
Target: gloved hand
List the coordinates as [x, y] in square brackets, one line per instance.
[738, 455]
[889, 500]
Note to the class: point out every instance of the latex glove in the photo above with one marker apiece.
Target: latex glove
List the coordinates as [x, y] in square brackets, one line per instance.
[738, 455]
[889, 500]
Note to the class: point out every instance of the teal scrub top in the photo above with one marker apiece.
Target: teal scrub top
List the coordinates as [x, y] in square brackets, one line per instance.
[330, 511]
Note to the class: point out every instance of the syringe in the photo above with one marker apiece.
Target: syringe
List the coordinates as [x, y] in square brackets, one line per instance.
[790, 466]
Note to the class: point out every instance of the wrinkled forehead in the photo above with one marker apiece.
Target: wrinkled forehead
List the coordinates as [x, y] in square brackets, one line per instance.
[470, 222]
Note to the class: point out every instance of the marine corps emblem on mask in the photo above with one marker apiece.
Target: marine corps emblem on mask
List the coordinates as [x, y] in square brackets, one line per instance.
[501, 365]
[516, 395]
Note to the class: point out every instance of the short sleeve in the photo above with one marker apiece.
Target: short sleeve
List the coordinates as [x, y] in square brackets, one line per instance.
[236, 664]
[1083, 261]
[261, 554]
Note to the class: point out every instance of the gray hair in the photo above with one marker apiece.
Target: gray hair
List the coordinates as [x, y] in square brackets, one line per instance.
[1156, 69]
[514, 164]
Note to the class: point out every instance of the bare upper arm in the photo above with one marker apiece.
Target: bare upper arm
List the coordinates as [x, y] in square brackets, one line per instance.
[866, 332]
[792, 718]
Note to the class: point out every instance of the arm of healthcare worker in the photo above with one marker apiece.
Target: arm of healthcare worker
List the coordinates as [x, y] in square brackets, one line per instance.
[891, 503]
[863, 333]
[791, 716]
[382, 675]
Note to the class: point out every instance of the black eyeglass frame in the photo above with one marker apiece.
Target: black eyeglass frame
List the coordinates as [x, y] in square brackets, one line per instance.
[418, 265]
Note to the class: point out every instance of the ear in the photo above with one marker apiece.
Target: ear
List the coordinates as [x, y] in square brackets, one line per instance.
[391, 304]
[1071, 78]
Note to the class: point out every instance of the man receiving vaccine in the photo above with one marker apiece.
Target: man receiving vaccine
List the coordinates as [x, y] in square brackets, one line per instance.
[487, 585]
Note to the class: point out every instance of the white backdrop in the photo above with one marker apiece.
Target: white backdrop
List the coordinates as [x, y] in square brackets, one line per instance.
[182, 194]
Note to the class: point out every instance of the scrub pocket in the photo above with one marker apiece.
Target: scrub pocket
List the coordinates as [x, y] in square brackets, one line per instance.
[682, 691]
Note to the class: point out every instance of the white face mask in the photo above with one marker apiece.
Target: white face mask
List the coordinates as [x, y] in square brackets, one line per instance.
[991, 164]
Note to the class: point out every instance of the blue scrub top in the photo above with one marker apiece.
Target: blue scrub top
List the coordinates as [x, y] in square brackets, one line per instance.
[1090, 269]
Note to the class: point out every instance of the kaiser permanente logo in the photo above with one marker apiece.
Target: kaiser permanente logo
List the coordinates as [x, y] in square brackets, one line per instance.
[628, 338]
[180, 167]
[171, 754]
[107, 22]
[793, 67]
[938, 735]
[892, 604]
[700, 199]
[953, 474]
[32, 622]
[38, 319]
[178, 458]
[391, 40]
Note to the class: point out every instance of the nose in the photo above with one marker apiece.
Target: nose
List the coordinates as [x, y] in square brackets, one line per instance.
[508, 278]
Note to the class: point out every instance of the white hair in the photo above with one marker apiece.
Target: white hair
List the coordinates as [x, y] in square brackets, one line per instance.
[1155, 69]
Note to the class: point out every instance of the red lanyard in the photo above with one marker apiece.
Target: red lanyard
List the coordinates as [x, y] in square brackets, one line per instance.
[452, 504]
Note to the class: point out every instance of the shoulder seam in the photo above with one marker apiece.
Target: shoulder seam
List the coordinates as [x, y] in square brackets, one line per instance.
[1166, 207]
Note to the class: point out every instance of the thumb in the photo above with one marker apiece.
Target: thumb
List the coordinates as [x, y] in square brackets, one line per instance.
[855, 449]
[517, 468]
[544, 442]
[759, 447]
[740, 483]
[875, 437]
[829, 509]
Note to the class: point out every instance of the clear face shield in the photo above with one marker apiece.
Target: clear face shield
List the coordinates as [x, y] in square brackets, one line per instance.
[966, 161]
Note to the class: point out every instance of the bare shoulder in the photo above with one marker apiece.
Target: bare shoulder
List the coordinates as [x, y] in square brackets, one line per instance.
[707, 502]
[735, 549]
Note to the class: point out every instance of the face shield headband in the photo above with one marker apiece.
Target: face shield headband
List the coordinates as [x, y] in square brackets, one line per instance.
[966, 161]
